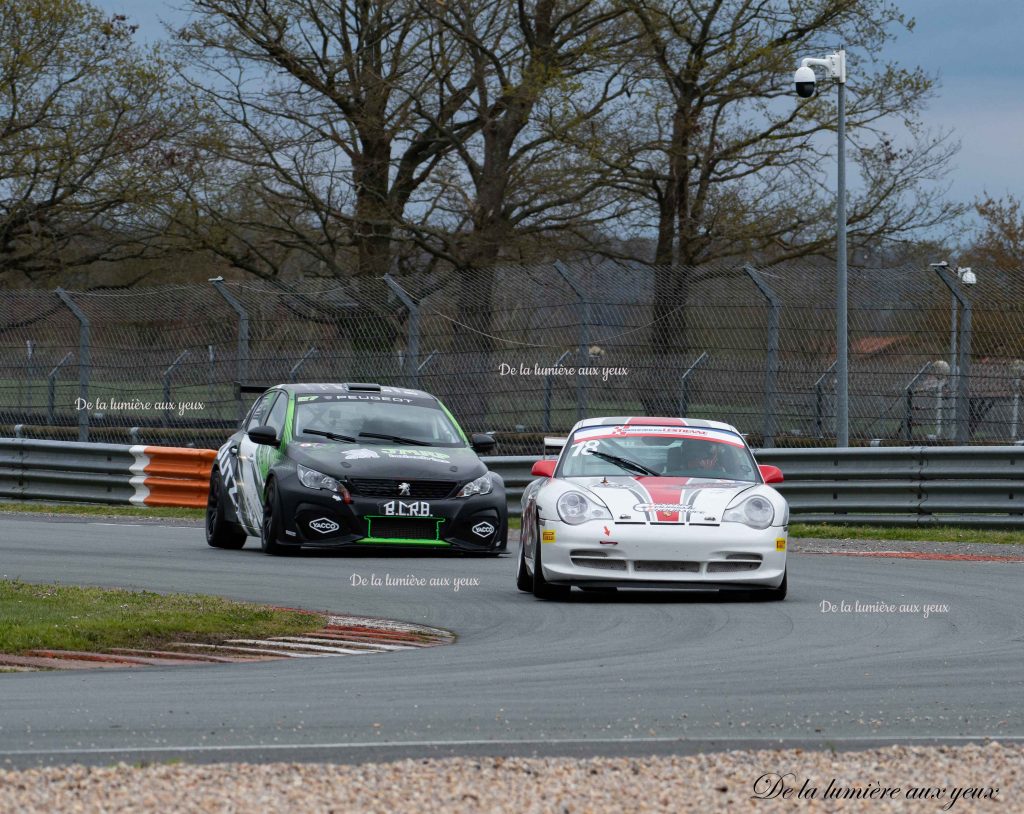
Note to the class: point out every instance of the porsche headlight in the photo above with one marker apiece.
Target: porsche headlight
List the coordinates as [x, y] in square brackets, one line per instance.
[312, 479]
[481, 486]
[575, 508]
[756, 512]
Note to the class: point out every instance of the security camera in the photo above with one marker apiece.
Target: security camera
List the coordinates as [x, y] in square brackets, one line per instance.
[805, 80]
[966, 276]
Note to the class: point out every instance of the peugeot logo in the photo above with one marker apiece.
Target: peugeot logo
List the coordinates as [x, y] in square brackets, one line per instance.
[404, 489]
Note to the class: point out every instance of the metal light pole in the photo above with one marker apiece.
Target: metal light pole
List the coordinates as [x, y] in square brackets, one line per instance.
[835, 67]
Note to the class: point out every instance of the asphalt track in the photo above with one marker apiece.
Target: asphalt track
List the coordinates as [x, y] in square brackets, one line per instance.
[629, 674]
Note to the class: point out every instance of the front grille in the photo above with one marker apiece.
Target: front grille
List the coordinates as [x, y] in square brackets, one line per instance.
[598, 562]
[665, 566]
[735, 565]
[389, 487]
[403, 528]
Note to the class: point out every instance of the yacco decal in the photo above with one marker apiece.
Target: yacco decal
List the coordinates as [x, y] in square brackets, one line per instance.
[644, 431]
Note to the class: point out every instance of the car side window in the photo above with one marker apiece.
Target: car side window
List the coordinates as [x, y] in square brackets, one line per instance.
[276, 416]
[256, 418]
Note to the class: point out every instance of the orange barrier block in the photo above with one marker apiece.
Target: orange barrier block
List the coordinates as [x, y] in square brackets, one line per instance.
[177, 476]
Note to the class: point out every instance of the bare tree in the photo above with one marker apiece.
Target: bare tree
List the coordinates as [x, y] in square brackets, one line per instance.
[88, 127]
[1000, 239]
[732, 165]
[328, 124]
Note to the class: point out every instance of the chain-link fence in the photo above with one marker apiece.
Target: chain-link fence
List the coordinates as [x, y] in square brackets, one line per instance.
[524, 351]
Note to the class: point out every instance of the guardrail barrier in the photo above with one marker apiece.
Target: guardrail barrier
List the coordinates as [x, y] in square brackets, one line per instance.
[104, 473]
[895, 486]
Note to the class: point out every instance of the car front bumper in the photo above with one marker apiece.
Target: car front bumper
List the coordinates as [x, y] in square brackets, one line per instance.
[731, 555]
[321, 519]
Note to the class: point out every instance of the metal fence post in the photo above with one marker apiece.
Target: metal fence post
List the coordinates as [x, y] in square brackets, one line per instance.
[583, 309]
[771, 373]
[309, 354]
[684, 384]
[908, 395]
[167, 387]
[963, 372]
[548, 386]
[410, 364]
[819, 402]
[84, 360]
[243, 334]
[964, 381]
[51, 389]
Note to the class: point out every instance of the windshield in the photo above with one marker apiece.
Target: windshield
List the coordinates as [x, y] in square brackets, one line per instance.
[657, 451]
[375, 420]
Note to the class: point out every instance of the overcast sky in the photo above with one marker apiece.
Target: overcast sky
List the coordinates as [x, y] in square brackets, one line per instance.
[974, 46]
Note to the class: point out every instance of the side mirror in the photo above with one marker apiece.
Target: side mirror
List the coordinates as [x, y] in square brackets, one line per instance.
[771, 474]
[482, 442]
[544, 469]
[264, 435]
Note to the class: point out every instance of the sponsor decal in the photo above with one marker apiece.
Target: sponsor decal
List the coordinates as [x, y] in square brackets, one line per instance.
[416, 454]
[780, 543]
[399, 508]
[661, 507]
[606, 532]
[483, 529]
[642, 430]
[355, 454]
[547, 536]
[324, 525]
[358, 397]
[311, 445]
[404, 489]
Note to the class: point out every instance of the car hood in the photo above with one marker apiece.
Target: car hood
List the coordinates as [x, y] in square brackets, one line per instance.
[639, 499]
[387, 460]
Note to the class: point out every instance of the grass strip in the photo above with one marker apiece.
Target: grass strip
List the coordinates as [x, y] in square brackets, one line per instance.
[98, 510]
[930, 534]
[69, 617]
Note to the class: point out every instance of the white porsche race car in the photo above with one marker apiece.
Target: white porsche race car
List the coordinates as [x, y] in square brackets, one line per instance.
[653, 503]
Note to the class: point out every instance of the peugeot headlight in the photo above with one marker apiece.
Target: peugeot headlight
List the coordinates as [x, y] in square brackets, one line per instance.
[481, 486]
[312, 479]
[575, 508]
[756, 512]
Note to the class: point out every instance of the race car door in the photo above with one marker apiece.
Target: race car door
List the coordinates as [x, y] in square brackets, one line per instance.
[250, 478]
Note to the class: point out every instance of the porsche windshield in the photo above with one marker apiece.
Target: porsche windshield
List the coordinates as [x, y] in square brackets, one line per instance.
[374, 420]
[657, 451]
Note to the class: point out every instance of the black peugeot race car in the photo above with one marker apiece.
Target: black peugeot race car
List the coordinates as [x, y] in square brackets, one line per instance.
[334, 465]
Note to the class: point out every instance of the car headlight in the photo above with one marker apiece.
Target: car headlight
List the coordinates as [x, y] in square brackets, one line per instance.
[756, 512]
[575, 508]
[481, 486]
[312, 479]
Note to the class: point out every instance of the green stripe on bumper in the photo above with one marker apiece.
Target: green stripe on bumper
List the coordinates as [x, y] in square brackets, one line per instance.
[402, 541]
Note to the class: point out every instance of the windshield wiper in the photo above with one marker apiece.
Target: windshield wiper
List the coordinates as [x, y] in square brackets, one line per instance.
[348, 439]
[625, 463]
[396, 438]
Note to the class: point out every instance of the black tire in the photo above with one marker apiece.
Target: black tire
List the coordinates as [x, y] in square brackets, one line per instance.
[542, 589]
[524, 582]
[220, 532]
[270, 528]
[774, 594]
